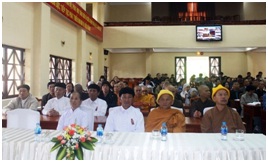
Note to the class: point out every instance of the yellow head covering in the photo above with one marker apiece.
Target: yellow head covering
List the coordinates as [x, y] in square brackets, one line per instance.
[219, 87]
[164, 91]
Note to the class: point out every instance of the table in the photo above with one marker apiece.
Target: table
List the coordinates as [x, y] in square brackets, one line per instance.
[19, 144]
[51, 122]
[251, 111]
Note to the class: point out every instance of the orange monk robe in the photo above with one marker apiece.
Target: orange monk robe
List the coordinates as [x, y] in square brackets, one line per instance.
[174, 118]
[144, 102]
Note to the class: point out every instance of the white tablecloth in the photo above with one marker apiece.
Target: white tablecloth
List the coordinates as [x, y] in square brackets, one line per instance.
[20, 144]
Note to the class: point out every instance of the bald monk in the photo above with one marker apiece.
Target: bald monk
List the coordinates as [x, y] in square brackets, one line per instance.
[174, 118]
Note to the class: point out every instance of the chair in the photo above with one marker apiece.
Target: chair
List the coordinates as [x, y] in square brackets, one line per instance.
[172, 108]
[22, 118]
[208, 108]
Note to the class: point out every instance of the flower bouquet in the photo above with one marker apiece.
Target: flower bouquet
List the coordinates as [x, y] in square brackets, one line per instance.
[71, 142]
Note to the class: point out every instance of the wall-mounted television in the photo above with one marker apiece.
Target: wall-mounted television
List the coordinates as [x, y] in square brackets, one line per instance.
[208, 33]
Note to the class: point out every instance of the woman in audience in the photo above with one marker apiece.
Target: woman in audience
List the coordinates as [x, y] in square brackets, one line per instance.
[174, 118]
[75, 115]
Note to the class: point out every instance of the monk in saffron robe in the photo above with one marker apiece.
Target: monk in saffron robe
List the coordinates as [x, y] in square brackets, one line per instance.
[164, 113]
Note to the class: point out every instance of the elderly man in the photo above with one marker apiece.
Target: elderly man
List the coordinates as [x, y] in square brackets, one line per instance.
[125, 118]
[174, 118]
[25, 100]
[57, 105]
[97, 105]
[213, 118]
[197, 107]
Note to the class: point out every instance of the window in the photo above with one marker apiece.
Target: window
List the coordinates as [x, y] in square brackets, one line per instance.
[180, 65]
[60, 69]
[13, 70]
[206, 65]
[214, 66]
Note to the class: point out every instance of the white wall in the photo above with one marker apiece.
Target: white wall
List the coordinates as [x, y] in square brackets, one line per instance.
[40, 30]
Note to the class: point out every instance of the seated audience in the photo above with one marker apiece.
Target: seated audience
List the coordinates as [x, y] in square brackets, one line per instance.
[197, 107]
[69, 89]
[24, 101]
[184, 92]
[78, 88]
[235, 92]
[125, 118]
[107, 95]
[116, 89]
[164, 113]
[75, 114]
[51, 94]
[248, 97]
[213, 118]
[97, 105]
[57, 105]
[260, 91]
[244, 86]
[148, 99]
[177, 98]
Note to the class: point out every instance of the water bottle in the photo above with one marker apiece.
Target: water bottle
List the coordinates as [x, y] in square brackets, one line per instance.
[224, 131]
[37, 132]
[164, 131]
[99, 132]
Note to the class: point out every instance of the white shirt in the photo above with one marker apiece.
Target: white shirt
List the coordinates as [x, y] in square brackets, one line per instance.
[124, 120]
[99, 106]
[69, 117]
[59, 105]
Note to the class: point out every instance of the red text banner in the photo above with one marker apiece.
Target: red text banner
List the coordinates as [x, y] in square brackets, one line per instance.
[79, 16]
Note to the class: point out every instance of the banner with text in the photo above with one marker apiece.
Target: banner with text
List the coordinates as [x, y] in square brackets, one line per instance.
[79, 16]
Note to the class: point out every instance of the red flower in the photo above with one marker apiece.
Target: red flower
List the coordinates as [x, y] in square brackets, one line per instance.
[73, 125]
[63, 142]
[71, 132]
[60, 137]
[82, 139]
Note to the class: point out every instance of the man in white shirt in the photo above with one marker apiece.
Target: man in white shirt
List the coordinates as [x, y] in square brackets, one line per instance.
[75, 115]
[125, 118]
[24, 101]
[57, 105]
[97, 105]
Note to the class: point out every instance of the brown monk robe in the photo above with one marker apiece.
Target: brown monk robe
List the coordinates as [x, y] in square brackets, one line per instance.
[174, 118]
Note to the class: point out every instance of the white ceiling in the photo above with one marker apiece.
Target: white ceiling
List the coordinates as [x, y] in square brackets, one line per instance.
[186, 50]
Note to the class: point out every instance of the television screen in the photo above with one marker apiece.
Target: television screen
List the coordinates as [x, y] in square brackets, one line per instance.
[208, 33]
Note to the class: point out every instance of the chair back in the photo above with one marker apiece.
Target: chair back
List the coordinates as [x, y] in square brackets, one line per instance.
[172, 108]
[22, 118]
[206, 109]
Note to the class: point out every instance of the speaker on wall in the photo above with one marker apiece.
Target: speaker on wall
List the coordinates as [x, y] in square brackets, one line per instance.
[106, 52]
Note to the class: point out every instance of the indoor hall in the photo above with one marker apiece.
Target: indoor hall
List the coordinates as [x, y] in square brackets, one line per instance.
[53, 42]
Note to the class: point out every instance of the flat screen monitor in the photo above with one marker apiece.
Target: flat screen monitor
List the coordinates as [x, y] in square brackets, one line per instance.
[208, 33]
